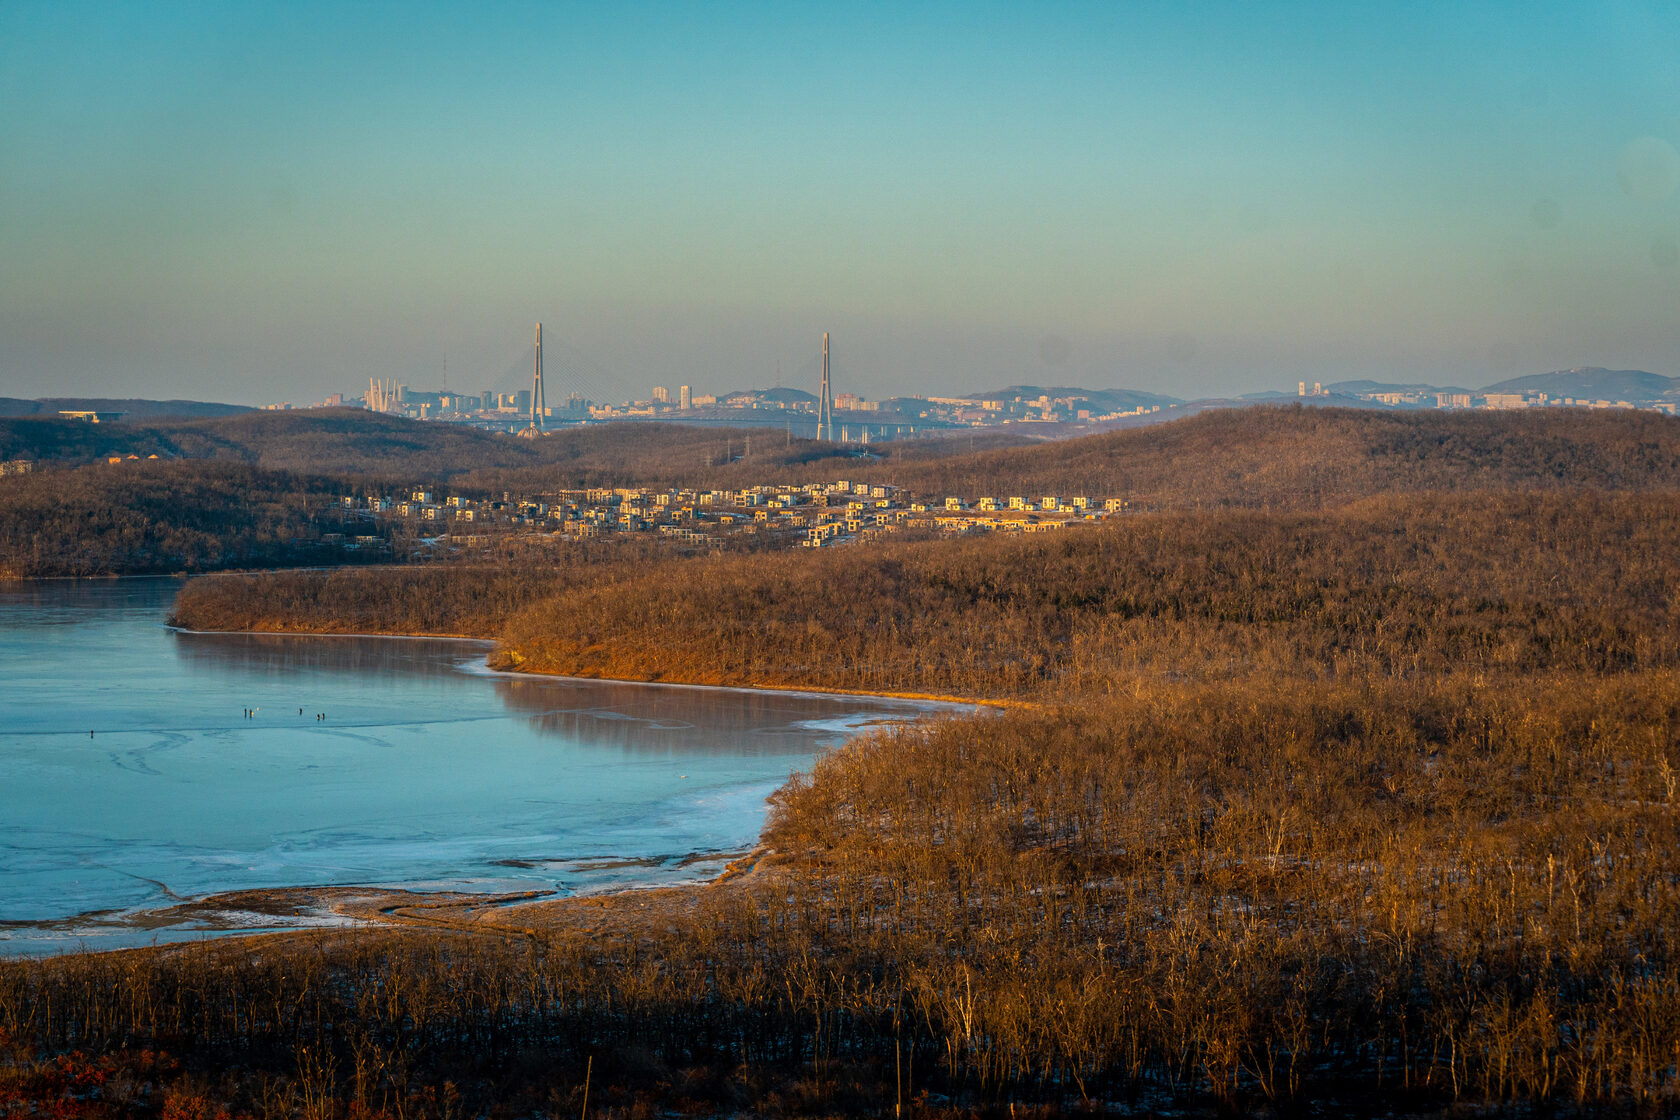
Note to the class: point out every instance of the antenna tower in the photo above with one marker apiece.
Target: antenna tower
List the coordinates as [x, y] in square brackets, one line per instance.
[825, 407]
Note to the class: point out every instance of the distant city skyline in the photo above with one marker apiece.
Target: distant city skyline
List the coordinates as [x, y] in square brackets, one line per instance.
[249, 203]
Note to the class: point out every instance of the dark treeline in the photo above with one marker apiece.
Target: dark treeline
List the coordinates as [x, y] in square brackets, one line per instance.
[162, 516]
[73, 442]
[1355, 898]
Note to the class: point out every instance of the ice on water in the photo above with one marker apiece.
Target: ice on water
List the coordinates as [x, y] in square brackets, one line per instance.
[426, 771]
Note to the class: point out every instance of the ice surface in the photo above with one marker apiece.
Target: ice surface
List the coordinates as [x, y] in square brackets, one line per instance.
[426, 770]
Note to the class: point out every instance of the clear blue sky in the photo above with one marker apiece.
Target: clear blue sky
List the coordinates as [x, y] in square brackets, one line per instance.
[259, 202]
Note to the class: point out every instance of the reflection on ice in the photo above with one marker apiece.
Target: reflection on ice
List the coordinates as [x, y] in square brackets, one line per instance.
[287, 655]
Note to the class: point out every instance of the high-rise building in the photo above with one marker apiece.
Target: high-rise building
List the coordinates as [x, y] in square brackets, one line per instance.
[661, 395]
[685, 398]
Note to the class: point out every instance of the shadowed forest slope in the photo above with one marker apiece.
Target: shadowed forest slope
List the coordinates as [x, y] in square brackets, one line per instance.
[162, 516]
[322, 441]
[132, 408]
[352, 441]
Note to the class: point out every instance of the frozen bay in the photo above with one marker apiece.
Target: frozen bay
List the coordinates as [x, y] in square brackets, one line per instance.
[131, 777]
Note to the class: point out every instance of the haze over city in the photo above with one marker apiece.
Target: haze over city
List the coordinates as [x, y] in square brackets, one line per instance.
[254, 203]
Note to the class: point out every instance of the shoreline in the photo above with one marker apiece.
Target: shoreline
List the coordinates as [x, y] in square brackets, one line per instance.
[14, 577]
[538, 674]
[235, 918]
[333, 634]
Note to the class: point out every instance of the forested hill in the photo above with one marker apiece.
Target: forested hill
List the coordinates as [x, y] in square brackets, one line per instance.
[162, 517]
[1288, 457]
[325, 440]
[352, 441]
[1594, 383]
[132, 408]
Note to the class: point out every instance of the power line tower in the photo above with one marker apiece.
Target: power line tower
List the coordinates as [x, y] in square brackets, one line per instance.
[825, 407]
[539, 403]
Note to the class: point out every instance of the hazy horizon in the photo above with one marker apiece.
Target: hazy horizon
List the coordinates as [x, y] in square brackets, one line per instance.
[257, 204]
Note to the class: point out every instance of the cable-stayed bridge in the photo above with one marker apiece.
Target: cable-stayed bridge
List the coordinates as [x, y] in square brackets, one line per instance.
[571, 371]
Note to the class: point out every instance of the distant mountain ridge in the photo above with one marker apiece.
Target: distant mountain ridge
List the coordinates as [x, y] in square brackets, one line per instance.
[133, 408]
[1113, 400]
[1354, 388]
[1593, 383]
[778, 395]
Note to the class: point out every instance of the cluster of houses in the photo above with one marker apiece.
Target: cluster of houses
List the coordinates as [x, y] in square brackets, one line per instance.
[809, 516]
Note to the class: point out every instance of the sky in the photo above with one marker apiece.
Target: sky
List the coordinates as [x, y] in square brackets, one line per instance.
[262, 202]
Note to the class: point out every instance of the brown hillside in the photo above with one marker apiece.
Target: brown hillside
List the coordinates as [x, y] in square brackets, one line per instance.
[1302, 458]
[1394, 586]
